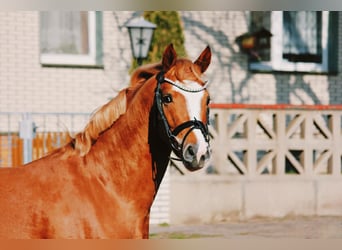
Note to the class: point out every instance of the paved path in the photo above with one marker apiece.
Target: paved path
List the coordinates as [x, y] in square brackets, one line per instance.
[298, 227]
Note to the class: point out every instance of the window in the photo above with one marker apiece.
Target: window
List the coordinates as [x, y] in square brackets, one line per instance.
[302, 41]
[71, 38]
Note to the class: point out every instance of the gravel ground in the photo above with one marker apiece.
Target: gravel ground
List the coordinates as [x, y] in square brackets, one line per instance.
[296, 227]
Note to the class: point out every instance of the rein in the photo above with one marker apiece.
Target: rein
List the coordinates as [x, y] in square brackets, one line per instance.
[191, 124]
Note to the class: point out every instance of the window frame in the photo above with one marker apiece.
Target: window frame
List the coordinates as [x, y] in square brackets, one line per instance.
[277, 63]
[92, 59]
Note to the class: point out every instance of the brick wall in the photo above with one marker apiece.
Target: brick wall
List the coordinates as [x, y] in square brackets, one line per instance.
[160, 210]
[25, 85]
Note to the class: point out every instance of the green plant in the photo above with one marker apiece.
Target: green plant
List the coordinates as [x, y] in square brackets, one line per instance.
[169, 30]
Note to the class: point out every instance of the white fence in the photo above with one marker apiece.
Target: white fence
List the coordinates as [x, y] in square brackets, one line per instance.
[258, 140]
[268, 160]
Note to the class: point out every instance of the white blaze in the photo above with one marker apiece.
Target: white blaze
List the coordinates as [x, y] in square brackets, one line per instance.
[193, 105]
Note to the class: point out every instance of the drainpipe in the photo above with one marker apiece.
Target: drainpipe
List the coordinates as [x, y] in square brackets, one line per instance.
[27, 132]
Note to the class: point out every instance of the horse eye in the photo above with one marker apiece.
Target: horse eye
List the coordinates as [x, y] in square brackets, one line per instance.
[167, 98]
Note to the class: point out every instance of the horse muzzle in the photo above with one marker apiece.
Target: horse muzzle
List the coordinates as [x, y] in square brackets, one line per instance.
[195, 157]
[193, 153]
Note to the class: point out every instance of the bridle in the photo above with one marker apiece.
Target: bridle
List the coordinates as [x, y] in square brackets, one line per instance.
[191, 124]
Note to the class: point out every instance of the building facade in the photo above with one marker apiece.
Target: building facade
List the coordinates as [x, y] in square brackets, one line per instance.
[26, 84]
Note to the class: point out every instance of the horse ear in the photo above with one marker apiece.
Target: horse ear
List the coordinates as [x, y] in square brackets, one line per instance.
[169, 57]
[204, 59]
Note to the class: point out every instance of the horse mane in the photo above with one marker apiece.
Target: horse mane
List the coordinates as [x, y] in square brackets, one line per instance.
[100, 121]
[105, 116]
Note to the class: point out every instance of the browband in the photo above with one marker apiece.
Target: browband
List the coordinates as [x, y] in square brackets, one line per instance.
[185, 88]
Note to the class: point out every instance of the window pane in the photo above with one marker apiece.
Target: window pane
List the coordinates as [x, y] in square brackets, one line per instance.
[302, 36]
[64, 32]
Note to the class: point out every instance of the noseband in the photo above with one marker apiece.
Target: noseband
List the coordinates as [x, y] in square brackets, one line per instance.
[191, 124]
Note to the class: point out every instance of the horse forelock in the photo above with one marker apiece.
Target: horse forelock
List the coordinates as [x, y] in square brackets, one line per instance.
[184, 69]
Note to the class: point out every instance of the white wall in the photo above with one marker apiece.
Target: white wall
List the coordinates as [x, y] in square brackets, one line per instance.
[213, 199]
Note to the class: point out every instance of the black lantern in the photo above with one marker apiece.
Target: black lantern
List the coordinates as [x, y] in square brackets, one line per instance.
[140, 34]
[253, 43]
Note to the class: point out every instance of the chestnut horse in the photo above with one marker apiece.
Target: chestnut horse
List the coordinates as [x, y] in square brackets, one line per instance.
[103, 182]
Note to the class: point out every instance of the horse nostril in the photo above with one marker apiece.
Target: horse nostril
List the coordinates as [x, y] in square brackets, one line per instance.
[190, 153]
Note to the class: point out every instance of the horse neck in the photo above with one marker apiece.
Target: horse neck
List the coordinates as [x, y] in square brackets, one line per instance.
[133, 145]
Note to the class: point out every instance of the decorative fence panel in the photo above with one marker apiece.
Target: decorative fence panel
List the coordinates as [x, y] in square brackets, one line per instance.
[281, 140]
[267, 161]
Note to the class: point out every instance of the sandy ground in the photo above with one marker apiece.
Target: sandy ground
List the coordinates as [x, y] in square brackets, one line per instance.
[297, 227]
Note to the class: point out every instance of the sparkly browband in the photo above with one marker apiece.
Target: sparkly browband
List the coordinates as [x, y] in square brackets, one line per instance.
[185, 88]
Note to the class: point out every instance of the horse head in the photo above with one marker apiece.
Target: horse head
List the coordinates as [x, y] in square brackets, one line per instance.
[182, 100]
